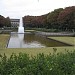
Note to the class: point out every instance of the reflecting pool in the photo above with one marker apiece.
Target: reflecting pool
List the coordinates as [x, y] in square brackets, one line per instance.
[29, 40]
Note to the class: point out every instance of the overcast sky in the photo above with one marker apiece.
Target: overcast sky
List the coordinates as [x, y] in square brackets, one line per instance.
[20, 8]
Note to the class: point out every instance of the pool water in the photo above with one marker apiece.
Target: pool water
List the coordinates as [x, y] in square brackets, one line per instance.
[29, 40]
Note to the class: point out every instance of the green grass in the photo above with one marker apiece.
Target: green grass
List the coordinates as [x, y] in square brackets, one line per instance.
[3, 40]
[68, 40]
[34, 51]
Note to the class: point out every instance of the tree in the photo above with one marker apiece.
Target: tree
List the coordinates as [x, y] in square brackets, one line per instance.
[34, 21]
[52, 17]
[8, 22]
[66, 18]
[2, 21]
[5, 21]
[57, 19]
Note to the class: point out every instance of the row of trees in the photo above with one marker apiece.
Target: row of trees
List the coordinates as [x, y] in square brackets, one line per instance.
[57, 19]
[5, 22]
[34, 21]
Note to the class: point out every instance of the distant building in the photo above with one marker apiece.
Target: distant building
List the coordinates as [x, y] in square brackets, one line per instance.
[15, 22]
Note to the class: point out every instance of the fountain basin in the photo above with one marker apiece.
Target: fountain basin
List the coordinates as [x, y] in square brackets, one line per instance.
[30, 40]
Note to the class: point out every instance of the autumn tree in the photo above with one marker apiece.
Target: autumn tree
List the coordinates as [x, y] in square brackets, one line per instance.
[66, 18]
[8, 22]
[34, 21]
[2, 21]
[57, 19]
[52, 17]
[5, 21]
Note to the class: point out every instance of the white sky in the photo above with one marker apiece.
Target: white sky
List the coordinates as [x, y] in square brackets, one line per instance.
[20, 8]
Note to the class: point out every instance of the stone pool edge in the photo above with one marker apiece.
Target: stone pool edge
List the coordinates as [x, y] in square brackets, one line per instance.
[8, 41]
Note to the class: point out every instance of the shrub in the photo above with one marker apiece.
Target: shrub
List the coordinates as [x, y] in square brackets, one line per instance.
[56, 64]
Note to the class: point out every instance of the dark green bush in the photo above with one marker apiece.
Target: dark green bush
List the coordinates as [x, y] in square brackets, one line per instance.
[60, 64]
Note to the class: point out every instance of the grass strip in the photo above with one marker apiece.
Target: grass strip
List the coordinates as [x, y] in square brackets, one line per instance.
[68, 40]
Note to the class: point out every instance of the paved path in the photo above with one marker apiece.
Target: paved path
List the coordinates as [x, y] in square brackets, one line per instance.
[55, 34]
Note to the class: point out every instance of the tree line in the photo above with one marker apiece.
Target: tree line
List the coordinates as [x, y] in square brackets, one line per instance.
[4, 22]
[60, 18]
[57, 19]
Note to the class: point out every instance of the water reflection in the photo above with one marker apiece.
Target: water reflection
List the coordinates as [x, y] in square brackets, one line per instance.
[29, 40]
[16, 41]
[21, 37]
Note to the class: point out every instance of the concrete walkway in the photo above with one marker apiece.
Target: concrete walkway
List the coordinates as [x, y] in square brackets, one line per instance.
[55, 33]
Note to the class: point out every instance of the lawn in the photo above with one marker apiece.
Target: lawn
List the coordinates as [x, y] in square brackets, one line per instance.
[3, 40]
[31, 51]
[34, 51]
[68, 40]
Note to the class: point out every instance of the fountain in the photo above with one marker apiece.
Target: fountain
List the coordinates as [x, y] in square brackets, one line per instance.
[21, 28]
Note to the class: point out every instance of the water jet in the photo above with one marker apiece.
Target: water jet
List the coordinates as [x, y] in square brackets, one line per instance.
[21, 28]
